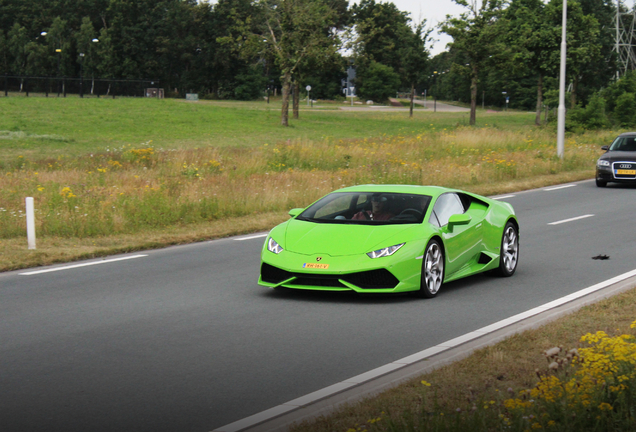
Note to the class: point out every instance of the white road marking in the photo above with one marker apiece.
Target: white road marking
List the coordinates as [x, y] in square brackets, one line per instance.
[571, 219]
[383, 370]
[559, 187]
[504, 197]
[251, 237]
[80, 265]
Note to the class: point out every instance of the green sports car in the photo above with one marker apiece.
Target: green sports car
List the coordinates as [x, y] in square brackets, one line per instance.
[391, 239]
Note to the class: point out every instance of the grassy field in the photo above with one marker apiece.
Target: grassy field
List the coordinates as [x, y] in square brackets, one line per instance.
[108, 175]
[73, 126]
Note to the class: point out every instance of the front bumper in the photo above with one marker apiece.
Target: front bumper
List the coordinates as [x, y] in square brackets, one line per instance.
[344, 273]
[607, 174]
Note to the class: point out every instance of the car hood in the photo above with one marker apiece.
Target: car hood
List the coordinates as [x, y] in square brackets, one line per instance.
[311, 238]
[613, 156]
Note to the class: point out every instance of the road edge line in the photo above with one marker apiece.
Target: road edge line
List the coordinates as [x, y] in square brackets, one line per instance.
[372, 382]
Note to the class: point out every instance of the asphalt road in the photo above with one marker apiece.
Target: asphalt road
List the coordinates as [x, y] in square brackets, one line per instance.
[183, 339]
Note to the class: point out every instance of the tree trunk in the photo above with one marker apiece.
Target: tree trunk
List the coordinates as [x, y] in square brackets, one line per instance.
[537, 119]
[575, 81]
[412, 96]
[284, 112]
[296, 98]
[473, 96]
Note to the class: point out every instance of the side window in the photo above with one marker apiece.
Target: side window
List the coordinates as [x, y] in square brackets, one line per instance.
[433, 219]
[446, 206]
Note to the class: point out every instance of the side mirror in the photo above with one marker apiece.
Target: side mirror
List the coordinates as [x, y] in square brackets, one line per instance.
[459, 219]
[295, 212]
[606, 148]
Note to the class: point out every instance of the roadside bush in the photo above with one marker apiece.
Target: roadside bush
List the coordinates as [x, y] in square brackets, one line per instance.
[626, 84]
[377, 82]
[591, 117]
[625, 112]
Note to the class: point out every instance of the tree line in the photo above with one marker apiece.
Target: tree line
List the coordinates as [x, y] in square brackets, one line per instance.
[241, 49]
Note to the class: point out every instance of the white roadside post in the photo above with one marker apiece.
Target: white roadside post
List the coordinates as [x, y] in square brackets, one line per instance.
[561, 110]
[308, 88]
[30, 219]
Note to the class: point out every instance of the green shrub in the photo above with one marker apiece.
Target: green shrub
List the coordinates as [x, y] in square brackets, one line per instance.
[591, 117]
[625, 112]
[377, 82]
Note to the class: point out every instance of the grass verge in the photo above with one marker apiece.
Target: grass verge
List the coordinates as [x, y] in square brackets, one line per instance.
[14, 254]
[471, 394]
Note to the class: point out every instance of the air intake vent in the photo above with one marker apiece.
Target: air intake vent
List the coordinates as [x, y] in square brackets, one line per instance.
[374, 279]
[484, 259]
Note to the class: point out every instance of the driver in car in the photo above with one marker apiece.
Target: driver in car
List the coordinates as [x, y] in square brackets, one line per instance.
[379, 210]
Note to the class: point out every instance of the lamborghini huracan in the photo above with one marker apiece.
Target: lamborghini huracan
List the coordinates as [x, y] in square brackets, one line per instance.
[391, 239]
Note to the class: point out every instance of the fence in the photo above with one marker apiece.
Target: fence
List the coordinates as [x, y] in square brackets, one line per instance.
[82, 87]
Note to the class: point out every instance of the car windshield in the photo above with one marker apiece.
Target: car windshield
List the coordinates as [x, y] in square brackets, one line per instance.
[368, 208]
[627, 143]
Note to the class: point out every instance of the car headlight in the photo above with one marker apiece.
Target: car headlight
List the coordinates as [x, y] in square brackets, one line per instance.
[388, 251]
[272, 246]
[603, 163]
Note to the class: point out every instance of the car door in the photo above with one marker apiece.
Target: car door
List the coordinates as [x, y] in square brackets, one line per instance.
[462, 241]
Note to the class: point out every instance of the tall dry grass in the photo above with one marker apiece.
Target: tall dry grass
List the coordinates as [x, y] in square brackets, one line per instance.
[125, 189]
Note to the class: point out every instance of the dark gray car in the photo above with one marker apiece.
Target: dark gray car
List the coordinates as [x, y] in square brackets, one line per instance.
[618, 164]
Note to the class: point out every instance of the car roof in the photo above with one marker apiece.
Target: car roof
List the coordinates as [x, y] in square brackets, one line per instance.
[626, 134]
[410, 189]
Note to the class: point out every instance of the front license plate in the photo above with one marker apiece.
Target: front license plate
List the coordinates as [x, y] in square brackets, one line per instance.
[316, 266]
[626, 172]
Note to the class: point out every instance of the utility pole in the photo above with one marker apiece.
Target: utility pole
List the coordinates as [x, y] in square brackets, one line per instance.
[561, 110]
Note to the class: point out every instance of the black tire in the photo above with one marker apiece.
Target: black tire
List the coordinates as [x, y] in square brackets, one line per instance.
[601, 183]
[432, 270]
[509, 251]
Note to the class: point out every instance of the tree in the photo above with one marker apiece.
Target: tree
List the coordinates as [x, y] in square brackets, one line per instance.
[293, 31]
[385, 36]
[86, 50]
[59, 49]
[17, 47]
[4, 53]
[531, 42]
[380, 32]
[598, 74]
[413, 57]
[476, 35]
[583, 47]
